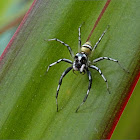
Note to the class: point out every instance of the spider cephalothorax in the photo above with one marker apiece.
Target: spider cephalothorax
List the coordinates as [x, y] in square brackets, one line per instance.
[81, 63]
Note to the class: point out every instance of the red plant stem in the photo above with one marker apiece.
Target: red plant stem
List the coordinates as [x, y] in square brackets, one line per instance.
[98, 19]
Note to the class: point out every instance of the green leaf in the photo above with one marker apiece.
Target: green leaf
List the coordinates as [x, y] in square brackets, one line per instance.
[129, 122]
[11, 12]
[27, 94]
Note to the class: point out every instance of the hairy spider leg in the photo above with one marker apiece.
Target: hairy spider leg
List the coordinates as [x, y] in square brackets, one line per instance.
[96, 68]
[69, 48]
[111, 59]
[79, 31]
[95, 46]
[60, 82]
[79, 37]
[60, 60]
[89, 87]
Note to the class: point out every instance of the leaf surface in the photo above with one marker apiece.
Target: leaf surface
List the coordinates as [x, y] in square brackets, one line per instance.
[27, 94]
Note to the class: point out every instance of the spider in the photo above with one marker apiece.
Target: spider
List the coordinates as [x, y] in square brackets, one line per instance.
[81, 63]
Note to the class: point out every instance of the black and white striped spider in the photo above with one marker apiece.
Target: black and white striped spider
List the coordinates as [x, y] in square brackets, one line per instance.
[81, 63]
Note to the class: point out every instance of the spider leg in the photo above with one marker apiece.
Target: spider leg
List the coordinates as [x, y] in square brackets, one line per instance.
[100, 39]
[60, 82]
[111, 59]
[79, 31]
[79, 37]
[60, 60]
[89, 87]
[96, 68]
[69, 48]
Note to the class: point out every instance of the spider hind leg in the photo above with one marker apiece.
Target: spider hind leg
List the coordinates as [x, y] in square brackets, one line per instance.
[89, 87]
[60, 82]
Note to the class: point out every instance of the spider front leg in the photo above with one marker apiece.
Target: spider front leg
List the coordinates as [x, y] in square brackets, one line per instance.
[60, 60]
[89, 87]
[69, 48]
[79, 37]
[96, 68]
[79, 34]
[95, 46]
[60, 82]
[111, 59]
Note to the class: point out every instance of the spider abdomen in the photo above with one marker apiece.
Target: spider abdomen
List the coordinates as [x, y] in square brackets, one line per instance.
[86, 48]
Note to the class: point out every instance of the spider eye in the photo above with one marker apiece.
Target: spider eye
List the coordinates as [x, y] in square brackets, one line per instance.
[76, 57]
[83, 60]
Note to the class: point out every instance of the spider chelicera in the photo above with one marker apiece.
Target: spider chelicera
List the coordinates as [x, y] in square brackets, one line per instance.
[81, 63]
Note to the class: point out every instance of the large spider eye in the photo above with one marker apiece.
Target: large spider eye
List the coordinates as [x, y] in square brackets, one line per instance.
[83, 60]
[76, 57]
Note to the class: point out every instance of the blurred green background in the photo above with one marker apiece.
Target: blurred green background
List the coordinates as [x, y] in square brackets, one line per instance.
[11, 14]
